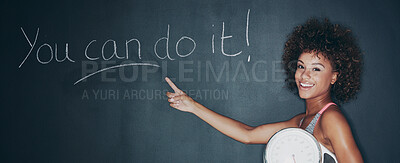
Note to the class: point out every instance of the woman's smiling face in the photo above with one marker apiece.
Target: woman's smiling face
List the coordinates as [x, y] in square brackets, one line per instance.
[314, 75]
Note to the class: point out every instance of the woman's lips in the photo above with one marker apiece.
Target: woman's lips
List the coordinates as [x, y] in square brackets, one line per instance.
[306, 86]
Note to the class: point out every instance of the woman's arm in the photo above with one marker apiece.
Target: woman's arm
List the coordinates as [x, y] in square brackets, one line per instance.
[232, 128]
[337, 130]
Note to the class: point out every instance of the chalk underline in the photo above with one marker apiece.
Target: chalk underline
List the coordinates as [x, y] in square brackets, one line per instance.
[117, 66]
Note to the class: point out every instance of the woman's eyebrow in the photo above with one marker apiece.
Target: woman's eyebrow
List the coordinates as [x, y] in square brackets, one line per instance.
[318, 64]
[300, 61]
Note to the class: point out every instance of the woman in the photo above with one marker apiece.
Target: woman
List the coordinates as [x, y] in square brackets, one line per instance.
[323, 64]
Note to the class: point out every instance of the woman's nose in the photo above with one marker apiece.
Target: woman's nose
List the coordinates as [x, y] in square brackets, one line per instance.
[305, 74]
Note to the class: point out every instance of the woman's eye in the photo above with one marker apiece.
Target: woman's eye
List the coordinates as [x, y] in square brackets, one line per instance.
[316, 69]
[300, 66]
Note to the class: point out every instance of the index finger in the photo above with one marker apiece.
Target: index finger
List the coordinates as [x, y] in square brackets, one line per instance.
[172, 85]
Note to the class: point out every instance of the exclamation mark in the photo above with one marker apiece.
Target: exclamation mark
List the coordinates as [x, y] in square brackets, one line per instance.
[247, 31]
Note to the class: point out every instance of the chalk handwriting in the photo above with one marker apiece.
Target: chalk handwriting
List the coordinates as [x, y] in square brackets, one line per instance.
[114, 67]
[126, 47]
[32, 45]
[177, 44]
[166, 46]
[52, 52]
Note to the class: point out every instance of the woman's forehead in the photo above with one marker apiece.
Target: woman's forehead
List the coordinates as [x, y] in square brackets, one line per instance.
[311, 57]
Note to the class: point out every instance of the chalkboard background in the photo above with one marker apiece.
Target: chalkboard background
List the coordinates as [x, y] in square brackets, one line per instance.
[55, 110]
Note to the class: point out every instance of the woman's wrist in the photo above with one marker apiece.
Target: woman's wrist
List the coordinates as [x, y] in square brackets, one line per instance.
[196, 108]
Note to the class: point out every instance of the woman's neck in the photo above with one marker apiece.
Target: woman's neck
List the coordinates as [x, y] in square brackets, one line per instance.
[314, 105]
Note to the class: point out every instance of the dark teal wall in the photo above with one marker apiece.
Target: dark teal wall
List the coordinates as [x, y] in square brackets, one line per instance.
[48, 114]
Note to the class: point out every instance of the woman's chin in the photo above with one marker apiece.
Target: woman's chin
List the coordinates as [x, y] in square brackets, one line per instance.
[304, 96]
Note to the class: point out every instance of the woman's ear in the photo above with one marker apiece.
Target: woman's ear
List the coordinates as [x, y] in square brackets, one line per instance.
[334, 77]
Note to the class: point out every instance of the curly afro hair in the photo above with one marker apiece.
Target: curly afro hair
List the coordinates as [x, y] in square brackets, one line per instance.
[334, 42]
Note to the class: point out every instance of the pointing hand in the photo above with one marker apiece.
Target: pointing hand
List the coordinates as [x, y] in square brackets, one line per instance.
[179, 100]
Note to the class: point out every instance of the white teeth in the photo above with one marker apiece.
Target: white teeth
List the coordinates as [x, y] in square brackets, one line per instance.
[306, 85]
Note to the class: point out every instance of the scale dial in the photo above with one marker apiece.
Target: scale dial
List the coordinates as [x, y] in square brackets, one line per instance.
[292, 145]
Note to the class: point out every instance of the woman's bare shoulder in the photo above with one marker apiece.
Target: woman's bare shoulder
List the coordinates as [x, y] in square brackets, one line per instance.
[333, 121]
[332, 115]
[337, 130]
